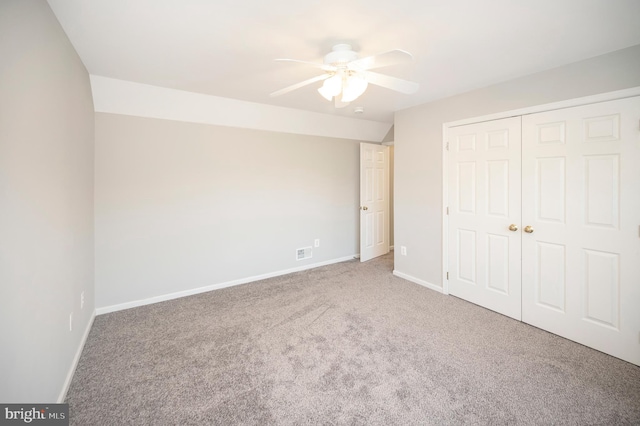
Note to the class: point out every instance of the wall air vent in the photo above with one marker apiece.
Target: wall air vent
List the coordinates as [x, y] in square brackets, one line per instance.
[303, 253]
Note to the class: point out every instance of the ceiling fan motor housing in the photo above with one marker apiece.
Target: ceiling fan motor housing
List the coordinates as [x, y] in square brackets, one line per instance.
[340, 55]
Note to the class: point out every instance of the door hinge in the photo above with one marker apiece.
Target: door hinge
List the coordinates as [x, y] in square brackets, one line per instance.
[447, 276]
[447, 146]
[447, 210]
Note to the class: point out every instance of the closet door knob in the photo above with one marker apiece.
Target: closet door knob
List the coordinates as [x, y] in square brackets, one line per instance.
[528, 229]
[513, 227]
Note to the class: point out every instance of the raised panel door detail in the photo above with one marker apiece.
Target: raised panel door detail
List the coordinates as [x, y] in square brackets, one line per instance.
[602, 129]
[467, 142]
[551, 275]
[379, 184]
[467, 255]
[550, 189]
[368, 155]
[602, 282]
[498, 139]
[380, 228]
[369, 185]
[602, 192]
[369, 224]
[498, 263]
[551, 133]
[467, 187]
[498, 188]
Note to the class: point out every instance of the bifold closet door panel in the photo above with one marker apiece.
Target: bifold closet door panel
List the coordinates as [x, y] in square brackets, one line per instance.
[484, 201]
[581, 202]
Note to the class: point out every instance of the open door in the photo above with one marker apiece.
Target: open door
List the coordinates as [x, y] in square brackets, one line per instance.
[374, 201]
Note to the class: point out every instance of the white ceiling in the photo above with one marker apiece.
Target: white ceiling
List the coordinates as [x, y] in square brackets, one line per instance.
[226, 47]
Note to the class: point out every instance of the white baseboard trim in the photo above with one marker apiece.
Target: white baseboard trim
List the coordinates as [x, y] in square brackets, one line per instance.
[76, 359]
[179, 294]
[418, 281]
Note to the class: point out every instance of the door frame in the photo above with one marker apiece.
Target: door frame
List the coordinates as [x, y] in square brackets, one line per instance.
[586, 100]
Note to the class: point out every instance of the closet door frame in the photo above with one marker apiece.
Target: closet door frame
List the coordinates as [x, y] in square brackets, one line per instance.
[609, 96]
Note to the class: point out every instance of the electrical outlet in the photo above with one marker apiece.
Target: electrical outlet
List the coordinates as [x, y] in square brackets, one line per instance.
[71, 321]
[316, 242]
[403, 250]
[82, 300]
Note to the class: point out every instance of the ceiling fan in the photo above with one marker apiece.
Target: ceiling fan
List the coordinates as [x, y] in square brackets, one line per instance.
[346, 77]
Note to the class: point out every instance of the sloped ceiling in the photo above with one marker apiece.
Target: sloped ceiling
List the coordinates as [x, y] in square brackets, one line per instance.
[226, 48]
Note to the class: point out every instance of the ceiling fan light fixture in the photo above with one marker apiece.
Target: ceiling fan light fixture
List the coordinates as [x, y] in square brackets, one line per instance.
[333, 84]
[354, 87]
[325, 93]
[346, 76]
[331, 87]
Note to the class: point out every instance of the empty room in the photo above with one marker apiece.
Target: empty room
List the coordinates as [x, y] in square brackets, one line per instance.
[302, 212]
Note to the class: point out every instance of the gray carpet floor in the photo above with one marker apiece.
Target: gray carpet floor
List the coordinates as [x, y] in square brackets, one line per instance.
[345, 344]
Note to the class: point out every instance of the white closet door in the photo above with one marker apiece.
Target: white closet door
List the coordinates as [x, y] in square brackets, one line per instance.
[581, 198]
[484, 200]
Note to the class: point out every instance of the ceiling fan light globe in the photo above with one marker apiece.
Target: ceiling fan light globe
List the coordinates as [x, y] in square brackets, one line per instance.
[333, 85]
[355, 86]
[325, 94]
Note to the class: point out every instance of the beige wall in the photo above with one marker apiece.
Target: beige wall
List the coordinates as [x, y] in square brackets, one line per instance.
[418, 145]
[46, 202]
[180, 206]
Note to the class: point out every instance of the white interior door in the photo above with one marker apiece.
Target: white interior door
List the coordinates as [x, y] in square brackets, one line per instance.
[374, 201]
[484, 214]
[581, 198]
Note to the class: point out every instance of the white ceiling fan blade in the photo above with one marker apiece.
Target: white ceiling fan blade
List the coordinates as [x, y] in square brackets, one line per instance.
[299, 85]
[399, 85]
[380, 60]
[313, 64]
